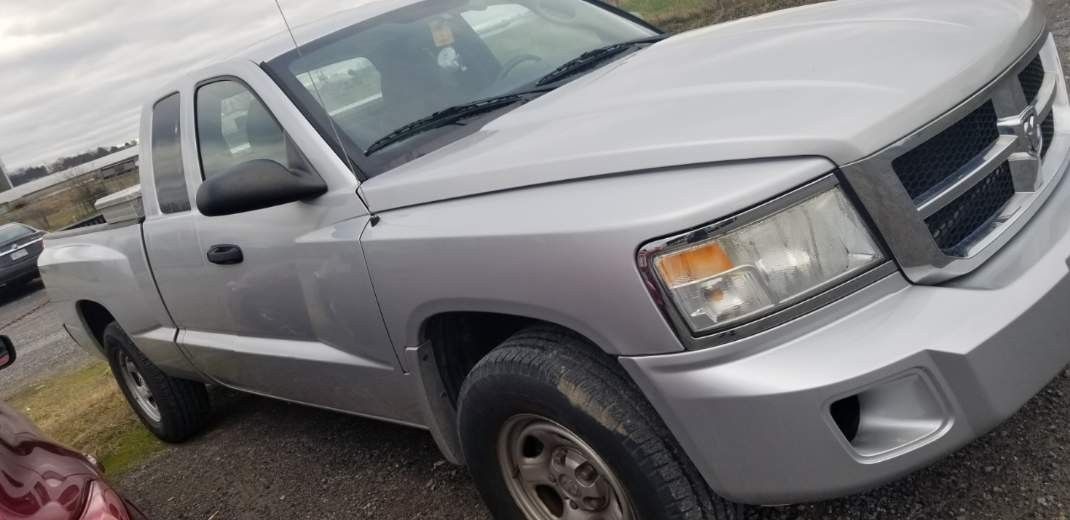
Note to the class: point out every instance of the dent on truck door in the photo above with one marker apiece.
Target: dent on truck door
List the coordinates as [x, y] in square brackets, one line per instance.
[285, 306]
[295, 319]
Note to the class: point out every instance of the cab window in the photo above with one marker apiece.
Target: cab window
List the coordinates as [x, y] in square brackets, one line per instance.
[234, 126]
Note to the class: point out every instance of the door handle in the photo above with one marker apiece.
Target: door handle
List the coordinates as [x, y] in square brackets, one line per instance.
[225, 254]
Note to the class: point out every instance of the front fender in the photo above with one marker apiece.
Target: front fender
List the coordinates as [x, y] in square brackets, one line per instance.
[563, 253]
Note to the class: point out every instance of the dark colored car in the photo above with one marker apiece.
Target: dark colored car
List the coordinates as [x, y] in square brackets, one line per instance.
[41, 480]
[20, 245]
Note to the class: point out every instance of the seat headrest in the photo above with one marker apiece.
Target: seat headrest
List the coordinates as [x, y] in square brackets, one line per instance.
[261, 128]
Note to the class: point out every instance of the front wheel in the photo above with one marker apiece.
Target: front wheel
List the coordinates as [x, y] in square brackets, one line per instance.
[554, 430]
[172, 409]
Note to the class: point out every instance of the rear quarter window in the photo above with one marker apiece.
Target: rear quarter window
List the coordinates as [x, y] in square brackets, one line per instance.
[167, 171]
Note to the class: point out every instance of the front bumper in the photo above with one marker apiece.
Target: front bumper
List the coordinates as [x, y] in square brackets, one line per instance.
[932, 368]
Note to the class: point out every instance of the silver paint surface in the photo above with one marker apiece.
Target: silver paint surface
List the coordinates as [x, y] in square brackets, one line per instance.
[541, 214]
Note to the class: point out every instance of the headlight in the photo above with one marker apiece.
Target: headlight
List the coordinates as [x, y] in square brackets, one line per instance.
[757, 268]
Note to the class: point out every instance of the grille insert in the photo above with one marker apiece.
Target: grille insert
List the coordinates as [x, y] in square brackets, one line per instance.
[954, 192]
[1032, 78]
[955, 226]
[936, 161]
[1048, 129]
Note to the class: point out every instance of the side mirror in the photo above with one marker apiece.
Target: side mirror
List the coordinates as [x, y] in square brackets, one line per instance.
[256, 184]
[7, 352]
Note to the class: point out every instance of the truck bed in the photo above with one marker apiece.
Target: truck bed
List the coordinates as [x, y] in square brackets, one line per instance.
[105, 267]
[68, 233]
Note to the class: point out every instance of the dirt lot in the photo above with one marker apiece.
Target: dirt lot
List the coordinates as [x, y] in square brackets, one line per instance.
[44, 348]
[269, 460]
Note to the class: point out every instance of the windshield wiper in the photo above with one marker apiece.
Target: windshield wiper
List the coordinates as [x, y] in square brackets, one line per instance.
[455, 114]
[449, 116]
[593, 58]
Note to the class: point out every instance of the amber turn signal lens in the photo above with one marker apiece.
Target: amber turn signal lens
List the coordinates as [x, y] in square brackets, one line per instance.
[697, 263]
[770, 263]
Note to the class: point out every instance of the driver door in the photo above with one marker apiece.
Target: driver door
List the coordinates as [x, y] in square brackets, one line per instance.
[288, 311]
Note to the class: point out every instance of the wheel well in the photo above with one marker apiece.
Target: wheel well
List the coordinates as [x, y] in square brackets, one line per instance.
[460, 339]
[96, 319]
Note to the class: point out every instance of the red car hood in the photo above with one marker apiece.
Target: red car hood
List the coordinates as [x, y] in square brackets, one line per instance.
[39, 479]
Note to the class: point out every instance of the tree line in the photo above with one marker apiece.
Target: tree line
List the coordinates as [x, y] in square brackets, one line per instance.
[30, 173]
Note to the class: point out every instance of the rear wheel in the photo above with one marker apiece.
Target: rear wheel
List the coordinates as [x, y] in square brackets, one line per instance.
[552, 429]
[173, 409]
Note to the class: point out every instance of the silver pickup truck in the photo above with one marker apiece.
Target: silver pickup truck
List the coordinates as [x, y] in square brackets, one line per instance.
[618, 275]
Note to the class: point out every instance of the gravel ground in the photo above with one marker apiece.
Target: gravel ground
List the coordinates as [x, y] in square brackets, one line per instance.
[269, 460]
[266, 459]
[44, 349]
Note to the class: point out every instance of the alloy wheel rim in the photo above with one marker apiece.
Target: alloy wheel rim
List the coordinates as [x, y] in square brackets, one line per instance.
[553, 474]
[139, 389]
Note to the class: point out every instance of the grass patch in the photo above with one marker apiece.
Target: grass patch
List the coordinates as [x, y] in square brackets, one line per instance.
[661, 7]
[683, 15]
[85, 411]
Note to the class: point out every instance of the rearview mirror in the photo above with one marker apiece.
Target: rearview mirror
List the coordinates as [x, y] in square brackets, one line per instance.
[256, 184]
[7, 352]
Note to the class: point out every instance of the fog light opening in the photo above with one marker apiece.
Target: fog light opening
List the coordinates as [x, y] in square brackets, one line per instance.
[847, 413]
[891, 415]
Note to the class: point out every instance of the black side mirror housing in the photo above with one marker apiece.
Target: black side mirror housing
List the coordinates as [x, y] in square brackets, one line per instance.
[256, 184]
[7, 352]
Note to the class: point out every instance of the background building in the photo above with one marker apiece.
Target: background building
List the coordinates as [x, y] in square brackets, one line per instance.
[5, 181]
[64, 199]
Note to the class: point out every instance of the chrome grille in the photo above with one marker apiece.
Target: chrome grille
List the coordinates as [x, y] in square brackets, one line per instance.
[954, 226]
[935, 162]
[1048, 131]
[1032, 78]
[948, 196]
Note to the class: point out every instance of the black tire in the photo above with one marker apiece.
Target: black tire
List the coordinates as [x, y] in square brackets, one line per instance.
[558, 375]
[182, 405]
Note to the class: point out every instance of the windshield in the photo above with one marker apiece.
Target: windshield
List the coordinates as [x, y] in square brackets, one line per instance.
[380, 75]
[14, 232]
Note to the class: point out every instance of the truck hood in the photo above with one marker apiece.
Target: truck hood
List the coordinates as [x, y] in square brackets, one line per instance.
[840, 80]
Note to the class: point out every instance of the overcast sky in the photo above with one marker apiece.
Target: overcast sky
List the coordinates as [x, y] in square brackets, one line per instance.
[75, 72]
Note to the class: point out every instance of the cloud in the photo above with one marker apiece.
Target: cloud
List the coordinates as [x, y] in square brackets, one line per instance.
[75, 74]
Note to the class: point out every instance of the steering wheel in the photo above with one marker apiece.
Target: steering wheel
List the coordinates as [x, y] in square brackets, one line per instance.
[507, 67]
